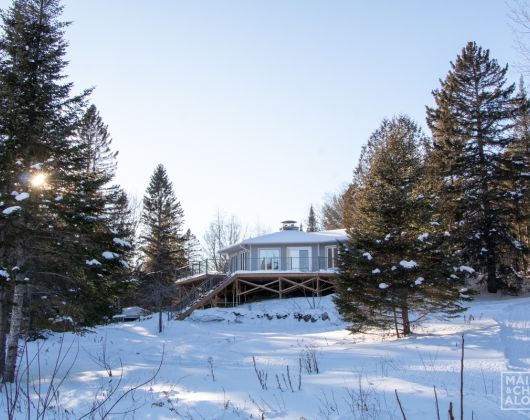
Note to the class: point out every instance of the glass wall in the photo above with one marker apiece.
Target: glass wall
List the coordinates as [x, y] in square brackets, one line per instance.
[269, 259]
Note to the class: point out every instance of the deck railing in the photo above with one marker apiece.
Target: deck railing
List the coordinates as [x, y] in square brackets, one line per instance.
[199, 292]
[291, 264]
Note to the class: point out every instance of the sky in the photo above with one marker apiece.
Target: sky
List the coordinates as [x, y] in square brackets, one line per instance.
[260, 108]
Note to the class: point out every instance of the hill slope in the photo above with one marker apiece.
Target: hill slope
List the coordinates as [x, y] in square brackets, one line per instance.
[261, 360]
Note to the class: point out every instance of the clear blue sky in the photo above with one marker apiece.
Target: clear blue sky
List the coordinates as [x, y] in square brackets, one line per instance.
[259, 108]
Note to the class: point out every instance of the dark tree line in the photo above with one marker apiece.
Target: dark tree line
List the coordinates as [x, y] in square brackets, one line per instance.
[65, 230]
[68, 247]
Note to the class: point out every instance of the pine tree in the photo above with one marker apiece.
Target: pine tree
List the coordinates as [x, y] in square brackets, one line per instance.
[162, 241]
[38, 118]
[97, 153]
[519, 151]
[162, 218]
[472, 126]
[395, 261]
[312, 221]
[192, 248]
[105, 223]
[58, 244]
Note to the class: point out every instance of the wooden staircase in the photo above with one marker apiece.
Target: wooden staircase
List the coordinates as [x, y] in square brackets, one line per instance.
[201, 295]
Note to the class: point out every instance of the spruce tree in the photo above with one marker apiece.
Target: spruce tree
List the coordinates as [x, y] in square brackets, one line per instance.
[58, 250]
[395, 261]
[38, 117]
[312, 221]
[192, 248]
[108, 239]
[519, 151]
[162, 241]
[472, 126]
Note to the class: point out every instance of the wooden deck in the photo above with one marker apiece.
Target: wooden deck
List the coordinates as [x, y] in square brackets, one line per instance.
[241, 287]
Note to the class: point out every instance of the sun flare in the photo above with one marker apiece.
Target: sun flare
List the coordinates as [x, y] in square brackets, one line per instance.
[38, 180]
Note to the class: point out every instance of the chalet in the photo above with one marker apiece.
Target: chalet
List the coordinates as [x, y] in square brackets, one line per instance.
[289, 250]
[289, 262]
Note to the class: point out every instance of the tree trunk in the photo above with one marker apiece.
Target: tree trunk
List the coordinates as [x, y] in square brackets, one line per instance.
[492, 275]
[160, 320]
[15, 328]
[395, 322]
[3, 331]
[405, 319]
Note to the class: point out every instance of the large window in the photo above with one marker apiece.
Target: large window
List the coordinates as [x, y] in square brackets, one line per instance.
[331, 257]
[299, 258]
[269, 259]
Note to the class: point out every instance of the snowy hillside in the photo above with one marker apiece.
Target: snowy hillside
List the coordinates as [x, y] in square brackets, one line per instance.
[289, 359]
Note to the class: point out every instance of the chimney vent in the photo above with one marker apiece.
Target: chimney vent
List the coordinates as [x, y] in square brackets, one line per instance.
[289, 225]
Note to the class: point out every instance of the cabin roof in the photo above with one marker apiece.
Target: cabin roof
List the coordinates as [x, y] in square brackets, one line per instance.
[286, 237]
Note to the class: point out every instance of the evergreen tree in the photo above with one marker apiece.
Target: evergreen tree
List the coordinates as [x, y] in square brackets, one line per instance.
[162, 219]
[472, 126]
[97, 151]
[38, 117]
[519, 151]
[312, 221]
[162, 241]
[58, 249]
[395, 261]
[106, 225]
[192, 248]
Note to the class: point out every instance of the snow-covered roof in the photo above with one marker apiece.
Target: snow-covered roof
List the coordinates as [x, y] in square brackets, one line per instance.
[287, 237]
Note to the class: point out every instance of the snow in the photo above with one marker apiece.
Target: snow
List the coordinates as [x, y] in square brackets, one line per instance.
[22, 196]
[286, 237]
[383, 286]
[368, 256]
[8, 210]
[419, 281]
[408, 264]
[466, 268]
[4, 274]
[122, 242]
[59, 198]
[207, 369]
[109, 255]
[93, 262]
[376, 271]
[423, 237]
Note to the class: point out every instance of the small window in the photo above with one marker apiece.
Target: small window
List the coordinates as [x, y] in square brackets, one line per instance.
[243, 261]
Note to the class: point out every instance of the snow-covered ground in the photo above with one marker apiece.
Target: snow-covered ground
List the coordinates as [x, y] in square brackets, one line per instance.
[260, 361]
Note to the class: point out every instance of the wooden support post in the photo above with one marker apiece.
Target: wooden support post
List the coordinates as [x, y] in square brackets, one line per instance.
[280, 287]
